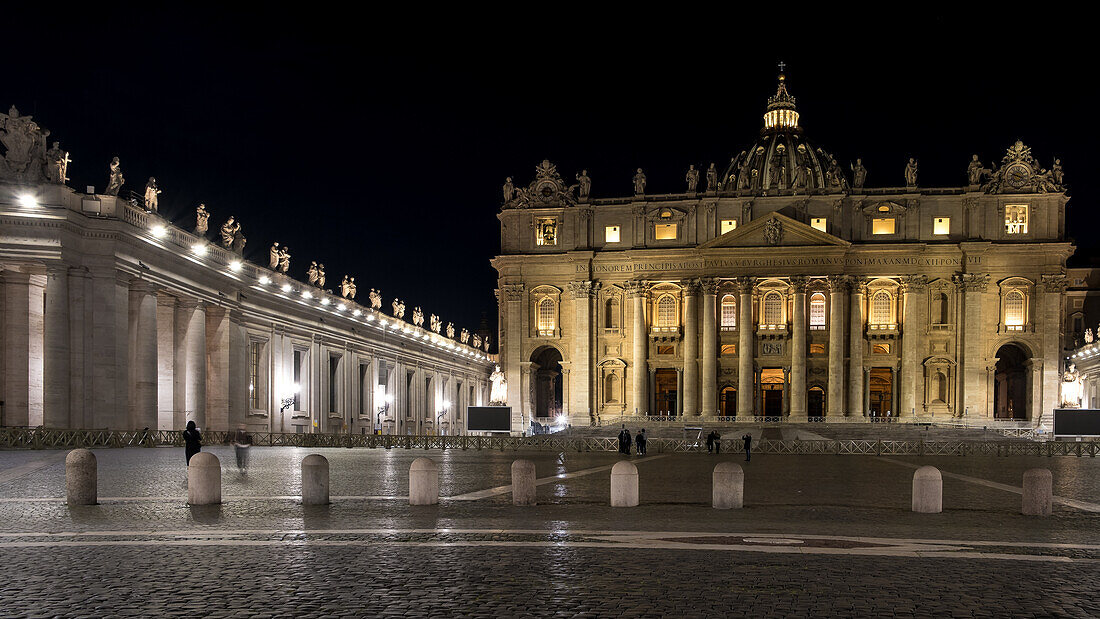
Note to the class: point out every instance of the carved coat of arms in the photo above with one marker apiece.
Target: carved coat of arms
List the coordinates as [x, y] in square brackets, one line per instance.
[773, 231]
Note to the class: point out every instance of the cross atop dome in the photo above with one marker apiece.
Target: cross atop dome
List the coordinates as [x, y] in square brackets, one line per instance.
[781, 113]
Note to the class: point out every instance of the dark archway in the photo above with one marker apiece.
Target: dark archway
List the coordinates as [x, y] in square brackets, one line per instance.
[727, 401]
[815, 402]
[1010, 383]
[665, 392]
[547, 382]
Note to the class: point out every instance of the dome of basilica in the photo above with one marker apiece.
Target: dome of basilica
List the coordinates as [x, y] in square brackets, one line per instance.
[782, 161]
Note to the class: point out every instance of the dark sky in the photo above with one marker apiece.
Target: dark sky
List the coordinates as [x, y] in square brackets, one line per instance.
[376, 141]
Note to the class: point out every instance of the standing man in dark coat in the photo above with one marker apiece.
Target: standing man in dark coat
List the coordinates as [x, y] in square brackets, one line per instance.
[717, 442]
[710, 442]
[192, 440]
[640, 442]
[748, 446]
[626, 441]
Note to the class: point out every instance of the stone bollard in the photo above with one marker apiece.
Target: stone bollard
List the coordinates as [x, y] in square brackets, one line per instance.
[728, 486]
[81, 477]
[624, 485]
[423, 482]
[927, 490]
[204, 479]
[1038, 492]
[315, 480]
[523, 482]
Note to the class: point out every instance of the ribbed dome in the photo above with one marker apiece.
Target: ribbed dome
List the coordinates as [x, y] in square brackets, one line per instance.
[782, 161]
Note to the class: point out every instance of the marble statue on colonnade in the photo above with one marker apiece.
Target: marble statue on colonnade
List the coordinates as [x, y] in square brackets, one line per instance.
[485, 344]
[375, 297]
[476, 343]
[435, 323]
[151, 193]
[238, 242]
[311, 273]
[464, 337]
[418, 316]
[321, 275]
[114, 177]
[25, 159]
[229, 230]
[57, 164]
[911, 173]
[202, 224]
[451, 330]
[284, 259]
[398, 308]
[273, 260]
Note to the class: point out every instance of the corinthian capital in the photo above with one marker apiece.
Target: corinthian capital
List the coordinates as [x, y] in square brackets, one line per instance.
[690, 286]
[636, 288]
[709, 285]
[971, 282]
[745, 284]
[913, 283]
[1055, 283]
[584, 289]
[513, 292]
[798, 283]
[838, 283]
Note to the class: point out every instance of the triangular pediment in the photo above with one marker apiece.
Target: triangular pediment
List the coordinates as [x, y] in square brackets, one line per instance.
[775, 230]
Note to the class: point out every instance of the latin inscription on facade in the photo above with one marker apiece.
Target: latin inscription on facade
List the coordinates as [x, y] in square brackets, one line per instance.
[794, 261]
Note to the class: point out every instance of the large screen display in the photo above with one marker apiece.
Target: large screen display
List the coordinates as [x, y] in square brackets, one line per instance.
[489, 418]
[1076, 422]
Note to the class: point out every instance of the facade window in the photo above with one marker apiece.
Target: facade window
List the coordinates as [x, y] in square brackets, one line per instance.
[1015, 310]
[941, 225]
[773, 309]
[333, 383]
[664, 232]
[1016, 219]
[818, 223]
[611, 234]
[817, 311]
[729, 349]
[254, 389]
[611, 310]
[546, 317]
[729, 313]
[666, 312]
[546, 231]
[298, 380]
[729, 225]
[817, 349]
[884, 225]
[881, 305]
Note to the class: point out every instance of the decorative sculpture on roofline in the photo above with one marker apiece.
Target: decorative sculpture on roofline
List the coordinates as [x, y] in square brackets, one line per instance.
[418, 316]
[312, 274]
[476, 341]
[464, 337]
[435, 323]
[321, 276]
[584, 185]
[284, 259]
[273, 261]
[692, 179]
[375, 297]
[114, 178]
[547, 189]
[1020, 172]
[202, 224]
[151, 193]
[451, 330]
[25, 159]
[911, 173]
[229, 230]
[347, 287]
[398, 308]
[485, 344]
[57, 164]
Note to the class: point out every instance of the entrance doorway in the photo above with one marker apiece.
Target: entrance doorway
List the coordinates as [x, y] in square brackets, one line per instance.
[727, 402]
[1010, 383]
[882, 392]
[771, 392]
[665, 392]
[815, 402]
[547, 383]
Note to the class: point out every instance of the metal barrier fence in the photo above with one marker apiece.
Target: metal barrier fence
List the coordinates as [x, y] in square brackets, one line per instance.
[37, 438]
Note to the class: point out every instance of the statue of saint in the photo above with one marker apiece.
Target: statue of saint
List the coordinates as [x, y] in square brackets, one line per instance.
[775, 173]
[202, 221]
[509, 190]
[585, 184]
[639, 182]
[859, 174]
[476, 343]
[229, 230]
[435, 323]
[238, 242]
[284, 259]
[114, 177]
[1056, 171]
[321, 276]
[799, 180]
[911, 173]
[418, 316]
[499, 392]
[451, 330]
[1088, 335]
[712, 178]
[345, 287]
[273, 262]
[974, 171]
[464, 337]
[312, 274]
[351, 288]
[57, 164]
[398, 308]
[151, 193]
[485, 344]
[375, 297]
[692, 178]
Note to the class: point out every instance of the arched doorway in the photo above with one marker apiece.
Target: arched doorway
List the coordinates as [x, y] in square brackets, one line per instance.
[727, 401]
[815, 402]
[547, 385]
[1010, 383]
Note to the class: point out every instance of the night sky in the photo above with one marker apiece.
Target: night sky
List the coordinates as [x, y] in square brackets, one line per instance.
[376, 142]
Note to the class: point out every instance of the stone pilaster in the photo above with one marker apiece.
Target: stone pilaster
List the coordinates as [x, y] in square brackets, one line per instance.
[142, 334]
[798, 349]
[637, 292]
[745, 352]
[856, 372]
[691, 348]
[58, 354]
[838, 287]
[166, 361]
[911, 379]
[80, 359]
[972, 373]
[109, 357]
[710, 347]
[23, 344]
[1051, 324]
[191, 395]
[580, 395]
[511, 298]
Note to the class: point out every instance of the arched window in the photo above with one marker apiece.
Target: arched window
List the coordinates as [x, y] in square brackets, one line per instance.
[729, 312]
[1014, 309]
[881, 304]
[546, 316]
[773, 308]
[666, 311]
[611, 311]
[817, 310]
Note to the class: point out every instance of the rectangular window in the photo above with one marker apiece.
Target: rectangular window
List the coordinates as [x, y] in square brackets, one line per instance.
[729, 225]
[255, 348]
[941, 225]
[882, 226]
[611, 234]
[665, 232]
[546, 231]
[333, 383]
[819, 224]
[1016, 219]
[298, 380]
[364, 386]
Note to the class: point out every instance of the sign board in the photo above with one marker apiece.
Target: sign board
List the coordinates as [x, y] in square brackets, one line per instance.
[1076, 422]
[489, 418]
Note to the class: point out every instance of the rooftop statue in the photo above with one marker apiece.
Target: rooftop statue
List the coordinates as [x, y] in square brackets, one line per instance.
[509, 190]
[284, 259]
[418, 316]
[353, 288]
[202, 224]
[312, 273]
[485, 344]
[451, 330]
[57, 164]
[25, 159]
[1056, 170]
[639, 182]
[151, 193]
[974, 171]
[859, 174]
[712, 178]
[375, 297]
[692, 179]
[398, 308]
[345, 287]
[547, 189]
[435, 323]
[238, 242]
[584, 184]
[464, 337]
[274, 260]
[114, 177]
[1088, 335]
[476, 343]
[321, 276]
[229, 230]
[911, 173]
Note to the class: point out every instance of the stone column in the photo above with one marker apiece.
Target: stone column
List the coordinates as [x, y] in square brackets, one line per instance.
[109, 355]
[691, 348]
[566, 370]
[1052, 296]
[191, 319]
[57, 337]
[798, 349]
[855, 351]
[745, 352]
[912, 288]
[218, 372]
[513, 328]
[23, 345]
[652, 395]
[80, 359]
[143, 355]
[838, 286]
[580, 394]
[637, 291]
[166, 361]
[972, 286]
[710, 348]
[678, 408]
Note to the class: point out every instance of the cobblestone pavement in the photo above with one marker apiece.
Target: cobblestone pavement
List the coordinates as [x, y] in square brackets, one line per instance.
[820, 535]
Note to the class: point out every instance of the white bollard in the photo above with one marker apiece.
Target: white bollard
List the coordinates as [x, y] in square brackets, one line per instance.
[423, 482]
[624, 485]
[927, 490]
[728, 486]
[204, 479]
[81, 477]
[315, 480]
[1038, 492]
[523, 482]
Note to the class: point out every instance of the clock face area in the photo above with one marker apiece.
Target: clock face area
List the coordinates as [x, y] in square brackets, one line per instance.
[1017, 174]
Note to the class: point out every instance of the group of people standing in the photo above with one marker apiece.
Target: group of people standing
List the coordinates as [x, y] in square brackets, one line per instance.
[624, 441]
[241, 440]
[714, 444]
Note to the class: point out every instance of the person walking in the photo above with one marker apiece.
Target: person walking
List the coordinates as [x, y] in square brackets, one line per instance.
[242, 441]
[748, 446]
[640, 441]
[192, 441]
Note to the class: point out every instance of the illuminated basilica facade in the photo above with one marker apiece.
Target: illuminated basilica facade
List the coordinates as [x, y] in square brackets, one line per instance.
[780, 286]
